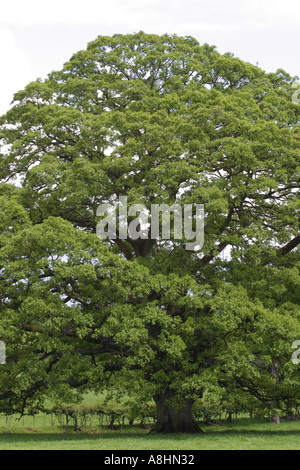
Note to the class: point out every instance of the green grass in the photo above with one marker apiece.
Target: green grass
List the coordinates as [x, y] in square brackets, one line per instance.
[243, 434]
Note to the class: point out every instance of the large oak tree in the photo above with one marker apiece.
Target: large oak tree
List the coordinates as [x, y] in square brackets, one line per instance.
[161, 120]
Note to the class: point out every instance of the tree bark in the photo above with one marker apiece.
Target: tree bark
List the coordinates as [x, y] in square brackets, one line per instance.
[171, 419]
[276, 419]
[275, 373]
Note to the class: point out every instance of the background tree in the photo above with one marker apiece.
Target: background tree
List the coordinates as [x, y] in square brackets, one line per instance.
[159, 119]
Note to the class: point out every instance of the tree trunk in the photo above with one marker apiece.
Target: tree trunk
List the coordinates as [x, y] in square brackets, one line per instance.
[276, 419]
[275, 373]
[171, 419]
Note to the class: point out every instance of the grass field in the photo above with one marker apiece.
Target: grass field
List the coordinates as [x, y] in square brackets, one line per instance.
[243, 434]
[44, 433]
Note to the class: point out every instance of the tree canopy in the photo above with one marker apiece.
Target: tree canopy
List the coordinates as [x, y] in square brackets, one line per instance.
[161, 120]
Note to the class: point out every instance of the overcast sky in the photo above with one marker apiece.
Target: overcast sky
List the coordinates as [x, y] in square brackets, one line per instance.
[37, 37]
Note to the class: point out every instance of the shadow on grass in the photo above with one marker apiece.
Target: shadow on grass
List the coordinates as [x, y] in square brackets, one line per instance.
[40, 437]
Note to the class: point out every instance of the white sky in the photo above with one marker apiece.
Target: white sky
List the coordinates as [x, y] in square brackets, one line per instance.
[37, 37]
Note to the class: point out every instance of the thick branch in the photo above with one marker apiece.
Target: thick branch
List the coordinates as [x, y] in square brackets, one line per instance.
[207, 258]
[290, 245]
[124, 248]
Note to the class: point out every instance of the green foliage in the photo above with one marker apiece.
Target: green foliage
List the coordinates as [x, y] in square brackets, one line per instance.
[159, 119]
